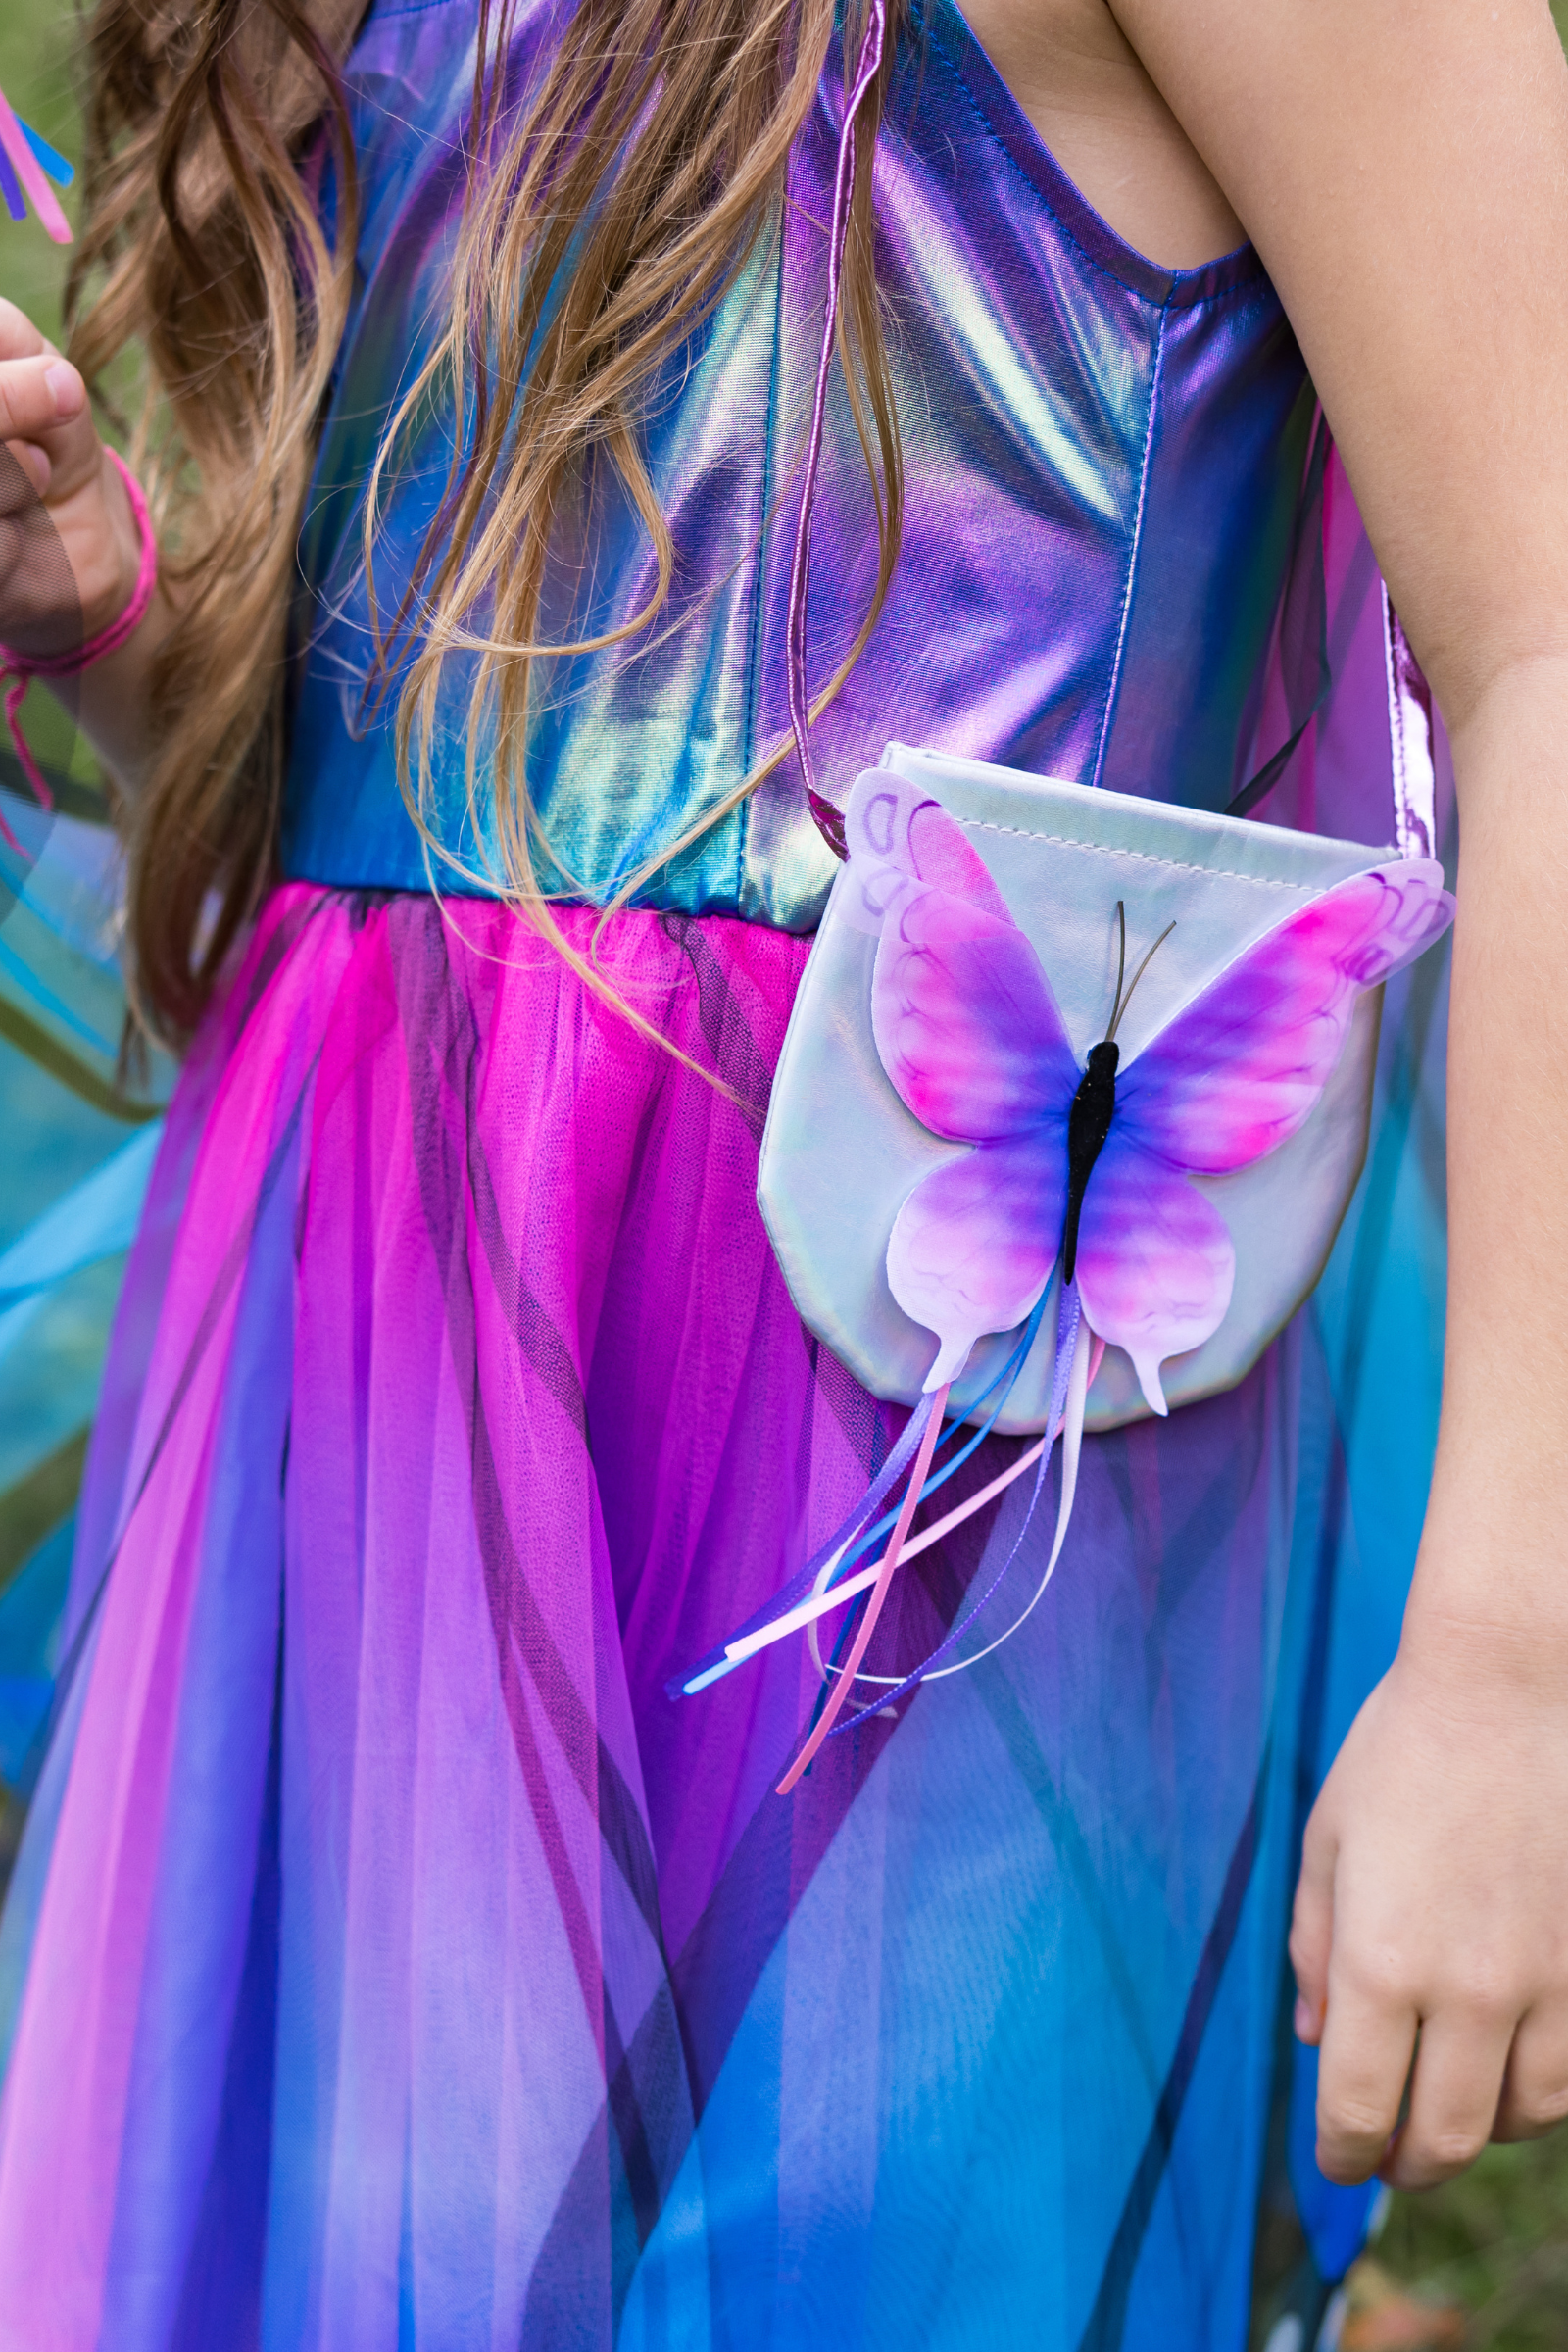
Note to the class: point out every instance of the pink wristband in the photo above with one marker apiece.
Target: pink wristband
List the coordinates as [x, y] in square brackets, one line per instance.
[19, 670]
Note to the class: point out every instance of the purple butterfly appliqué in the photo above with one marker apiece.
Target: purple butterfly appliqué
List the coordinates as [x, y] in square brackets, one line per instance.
[969, 1034]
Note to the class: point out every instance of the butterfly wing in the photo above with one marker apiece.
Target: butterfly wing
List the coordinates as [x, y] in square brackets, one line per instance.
[1241, 1069]
[897, 835]
[973, 1246]
[969, 1032]
[1157, 1264]
[965, 1022]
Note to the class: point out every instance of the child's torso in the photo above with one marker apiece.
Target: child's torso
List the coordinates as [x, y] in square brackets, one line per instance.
[1102, 461]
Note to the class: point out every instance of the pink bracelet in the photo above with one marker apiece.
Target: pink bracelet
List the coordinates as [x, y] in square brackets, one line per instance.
[20, 669]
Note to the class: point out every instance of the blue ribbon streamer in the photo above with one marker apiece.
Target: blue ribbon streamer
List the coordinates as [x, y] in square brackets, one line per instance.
[1010, 1373]
[717, 1661]
[49, 158]
[1067, 1322]
[853, 1538]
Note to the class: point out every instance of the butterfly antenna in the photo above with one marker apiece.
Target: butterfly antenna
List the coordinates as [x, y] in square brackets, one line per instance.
[1121, 966]
[1124, 1001]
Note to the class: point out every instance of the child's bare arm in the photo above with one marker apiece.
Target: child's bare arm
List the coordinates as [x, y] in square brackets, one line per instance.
[1405, 171]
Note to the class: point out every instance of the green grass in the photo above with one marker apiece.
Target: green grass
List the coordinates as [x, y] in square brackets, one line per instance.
[1495, 2243]
[40, 43]
[35, 1506]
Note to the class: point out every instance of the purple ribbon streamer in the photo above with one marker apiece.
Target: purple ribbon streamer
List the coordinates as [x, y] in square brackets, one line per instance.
[1067, 1322]
[800, 1586]
[11, 189]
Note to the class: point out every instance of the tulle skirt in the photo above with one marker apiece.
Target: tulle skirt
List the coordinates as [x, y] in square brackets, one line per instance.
[401, 1966]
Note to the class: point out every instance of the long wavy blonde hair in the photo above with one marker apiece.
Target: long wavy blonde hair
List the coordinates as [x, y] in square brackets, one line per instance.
[630, 186]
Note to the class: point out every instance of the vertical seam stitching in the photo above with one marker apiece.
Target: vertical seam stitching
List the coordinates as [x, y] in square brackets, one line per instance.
[1135, 548]
[755, 662]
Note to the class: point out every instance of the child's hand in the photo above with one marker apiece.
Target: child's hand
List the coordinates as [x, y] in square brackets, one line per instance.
[1433, 1899]
[46, 424]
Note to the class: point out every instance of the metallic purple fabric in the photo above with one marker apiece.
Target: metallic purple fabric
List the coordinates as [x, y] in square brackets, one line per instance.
[1103, 462]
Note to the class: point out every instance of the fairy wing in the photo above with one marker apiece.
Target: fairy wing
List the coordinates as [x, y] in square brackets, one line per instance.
[1239, 1070]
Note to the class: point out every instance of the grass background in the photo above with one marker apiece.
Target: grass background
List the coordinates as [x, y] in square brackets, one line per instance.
[1480, 2264]
[38, 46]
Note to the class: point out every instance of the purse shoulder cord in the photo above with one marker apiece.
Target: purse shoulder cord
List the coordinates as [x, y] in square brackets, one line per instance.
[829, 820]
[1411, 713]
[1411, 729]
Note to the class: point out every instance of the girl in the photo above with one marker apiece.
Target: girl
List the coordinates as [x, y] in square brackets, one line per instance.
[406, 1968]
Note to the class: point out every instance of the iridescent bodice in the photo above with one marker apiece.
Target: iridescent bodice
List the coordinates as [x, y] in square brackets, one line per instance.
[1102, 461]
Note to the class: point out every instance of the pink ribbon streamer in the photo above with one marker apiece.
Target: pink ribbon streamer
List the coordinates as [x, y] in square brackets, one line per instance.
[833, 1597]
[879, 1593]
[1078, 1355]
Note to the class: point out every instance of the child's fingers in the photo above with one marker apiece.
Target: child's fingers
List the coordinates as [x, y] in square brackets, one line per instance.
[1312, 1933]
[38, 398]
[44, 406]
[1453, 2093]
[1363, 2065]
[1534, 2092]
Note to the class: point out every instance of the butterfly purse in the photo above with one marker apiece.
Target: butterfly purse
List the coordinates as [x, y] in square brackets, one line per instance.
[1103, 1069]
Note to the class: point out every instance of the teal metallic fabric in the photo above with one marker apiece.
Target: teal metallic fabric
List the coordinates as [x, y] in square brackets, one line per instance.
[1103, 460]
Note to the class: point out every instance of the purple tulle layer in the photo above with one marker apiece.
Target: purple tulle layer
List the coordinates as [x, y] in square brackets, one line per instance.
[409, 1968]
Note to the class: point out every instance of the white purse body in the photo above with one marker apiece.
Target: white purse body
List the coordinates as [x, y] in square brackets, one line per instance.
[841, 1153]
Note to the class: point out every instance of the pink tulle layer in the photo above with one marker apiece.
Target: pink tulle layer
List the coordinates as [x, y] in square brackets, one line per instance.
[408, 1967]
